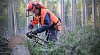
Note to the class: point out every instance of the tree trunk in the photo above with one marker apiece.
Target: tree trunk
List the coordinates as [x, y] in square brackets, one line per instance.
[86, 13]
[17, 44]
[15, 20]
[10, 19]
[93, 14]
[62, 17]
[98, 16]
[82, 13]
[73, 22]
[27, 1]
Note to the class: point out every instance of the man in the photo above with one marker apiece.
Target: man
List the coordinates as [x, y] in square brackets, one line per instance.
[49, 22]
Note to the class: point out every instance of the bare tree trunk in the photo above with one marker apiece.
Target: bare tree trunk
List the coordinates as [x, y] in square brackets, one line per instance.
[15, 20]
[17, 44]
[73, 23]
[69, 17]
[82, 13]
[27, 1]
[86, 13]
[10, 19]
[98, 15]
[62, 17]
[93, 14]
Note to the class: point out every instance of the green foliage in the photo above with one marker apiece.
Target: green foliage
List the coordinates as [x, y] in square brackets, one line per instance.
[3, 14]
[57, 51]
[40, 50]
[50, 44]
[84, 40]
[33, 50]
[52, 5]
[1, 40]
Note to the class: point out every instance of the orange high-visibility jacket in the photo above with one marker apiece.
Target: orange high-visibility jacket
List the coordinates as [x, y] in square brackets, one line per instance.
[53, 19]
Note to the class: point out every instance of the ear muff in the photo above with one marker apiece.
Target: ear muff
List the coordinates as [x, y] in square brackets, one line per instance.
[36, 6]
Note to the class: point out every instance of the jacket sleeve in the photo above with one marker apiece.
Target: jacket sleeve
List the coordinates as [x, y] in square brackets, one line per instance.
[46, 24]
[35, 21]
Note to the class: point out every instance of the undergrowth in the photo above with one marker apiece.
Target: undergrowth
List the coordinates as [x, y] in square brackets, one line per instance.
[80, 42]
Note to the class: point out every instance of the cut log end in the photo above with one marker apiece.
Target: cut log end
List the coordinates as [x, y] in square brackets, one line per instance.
[16, 40]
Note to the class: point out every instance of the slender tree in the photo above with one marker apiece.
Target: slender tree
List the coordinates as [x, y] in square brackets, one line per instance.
[73, 22]
[27, 1]
[82, 13]
[63, 17]
[10, 20]
[15, 20]
[93, 14]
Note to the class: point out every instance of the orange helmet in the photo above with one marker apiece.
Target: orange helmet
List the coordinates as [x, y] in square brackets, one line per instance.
[32, 5]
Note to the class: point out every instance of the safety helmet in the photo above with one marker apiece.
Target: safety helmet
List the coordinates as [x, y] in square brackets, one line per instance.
[33, 5]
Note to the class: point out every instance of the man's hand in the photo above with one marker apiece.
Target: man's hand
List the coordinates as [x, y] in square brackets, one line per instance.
[34, 32]
[29, 34]
[30, 26]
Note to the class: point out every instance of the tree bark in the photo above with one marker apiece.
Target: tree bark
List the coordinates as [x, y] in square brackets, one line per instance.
[73, 23]
[82, 13]
[93, 14]
[10, 19]
[27, 1]
[62, 17]
[15, 20]
[86, 13]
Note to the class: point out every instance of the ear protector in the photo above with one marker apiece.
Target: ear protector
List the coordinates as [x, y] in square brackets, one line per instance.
[36, 6]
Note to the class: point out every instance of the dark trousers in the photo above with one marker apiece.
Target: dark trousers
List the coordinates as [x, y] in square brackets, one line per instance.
[51, 35]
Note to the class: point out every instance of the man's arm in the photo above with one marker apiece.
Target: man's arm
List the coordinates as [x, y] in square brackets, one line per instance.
[32, 23]
[46, 24]
[35, 21]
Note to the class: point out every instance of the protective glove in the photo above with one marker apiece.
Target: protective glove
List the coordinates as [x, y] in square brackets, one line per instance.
[34, 32]
[30, 26]
[29, 34]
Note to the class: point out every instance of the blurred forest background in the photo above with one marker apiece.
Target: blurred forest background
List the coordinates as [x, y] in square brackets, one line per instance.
[80, 21]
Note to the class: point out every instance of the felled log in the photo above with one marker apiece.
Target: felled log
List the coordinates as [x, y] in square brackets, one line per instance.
[17, 44]
[16, 40]
[20, 50]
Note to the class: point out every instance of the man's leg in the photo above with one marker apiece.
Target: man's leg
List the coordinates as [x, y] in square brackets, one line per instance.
[53, 35]
[47, 35]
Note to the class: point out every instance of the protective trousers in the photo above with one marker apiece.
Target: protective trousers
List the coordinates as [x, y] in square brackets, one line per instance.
[51, 35]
